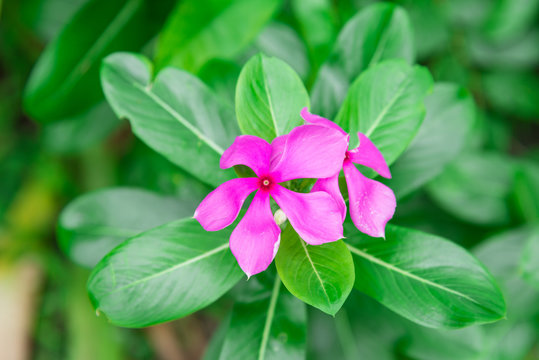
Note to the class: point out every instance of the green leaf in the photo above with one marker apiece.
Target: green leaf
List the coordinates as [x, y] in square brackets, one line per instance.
[65, 80]
[78, 133]
[317, 23]
[526, 192]
[379, 32]
[524, 90]
[510, 18]
[270, 327]
[163, 274]
[199, 30]
[93, 224]
[476, 188]
[424, 278]
[221, 76]
[176, 114]
[321, 276]
[269, 98]
[442, 135]
[386, 104]
[529, 263]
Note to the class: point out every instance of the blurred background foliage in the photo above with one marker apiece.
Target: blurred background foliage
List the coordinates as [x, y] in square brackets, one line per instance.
[59, 139]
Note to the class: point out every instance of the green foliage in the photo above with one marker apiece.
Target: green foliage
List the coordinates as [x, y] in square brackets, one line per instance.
[176, 114]
[163, 274]
[198, 31]
[424, 278]
[269, 98]
[322, 276]
[386, 104]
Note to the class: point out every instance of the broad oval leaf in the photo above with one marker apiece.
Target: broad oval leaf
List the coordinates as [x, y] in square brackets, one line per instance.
[274, 326]
[65, 80]
[425, 278]
[163, 274]
[386, 104]
[199, 30]
[176, 114]
[442, 135]
[476, 188]
[269, 98]
[529, 263]
[321, 276]
[379, 32]
[93, 224]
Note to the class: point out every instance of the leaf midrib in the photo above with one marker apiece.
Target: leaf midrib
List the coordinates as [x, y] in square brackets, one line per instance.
[173, 268]
[408, 274]
[177, 116]
[390, 104]
[314, 269]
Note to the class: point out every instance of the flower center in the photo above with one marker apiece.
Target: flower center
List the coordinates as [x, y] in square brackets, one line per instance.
[265, 183]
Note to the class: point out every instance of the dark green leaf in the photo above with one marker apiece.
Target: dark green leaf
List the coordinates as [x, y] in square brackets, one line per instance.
[476, 188]
[379, 32]
[270, 327]
[176, 115]
[424, 278]
[80, 132]
[199, 30]
[163, 274]
[526, 191]
[221, 76]
[442, 135]
[65, 80]
[524, 90]
[269, 98]
[317, 22]
[321, 276]
[386, 104]
[93, 224]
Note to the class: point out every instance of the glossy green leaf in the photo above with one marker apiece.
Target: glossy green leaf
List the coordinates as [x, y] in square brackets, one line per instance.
[176, 114]
[379, 32]
[270, 327]
[442, 135]
[163, 274]
[269, 98]
[321, 276]
[476, 188]
[199, 30]
[65, 80]
[93, 224]
[386, 104]
[73, 135]
[424, 278]
[282, 41]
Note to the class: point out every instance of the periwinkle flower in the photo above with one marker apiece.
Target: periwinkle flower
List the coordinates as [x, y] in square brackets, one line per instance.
[309, 151]
[372, 204]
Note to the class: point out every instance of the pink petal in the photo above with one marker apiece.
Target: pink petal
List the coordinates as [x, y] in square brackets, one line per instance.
[331, 186]
[277, 149]
[255, 241]
[248, 150]
[371, 203]
[367, 154]
[316, 217]
[221, 207]
[318, 120]
[310, 152]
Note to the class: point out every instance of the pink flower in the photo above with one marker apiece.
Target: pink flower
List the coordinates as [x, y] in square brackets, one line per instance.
[372, 204]
[307, 152]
